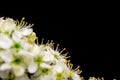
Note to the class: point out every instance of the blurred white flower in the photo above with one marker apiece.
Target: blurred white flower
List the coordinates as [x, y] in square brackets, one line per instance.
[5, 41]
[7, 26]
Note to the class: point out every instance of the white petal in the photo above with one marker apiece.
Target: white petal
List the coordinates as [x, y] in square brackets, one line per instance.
[59, 69]
[48, 57]
[5, 67]
[44, 65]
[26, 31]
[18, 70]
[5, 41]
[27, 55]
[24, 77]
[6, 56]
[16, 36]
[25, 45]
[32, 67]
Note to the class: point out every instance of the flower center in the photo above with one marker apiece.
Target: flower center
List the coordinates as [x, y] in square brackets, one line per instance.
[59, 76]
[17, 46]
[17, 59]
[44, 71]
[38, 59]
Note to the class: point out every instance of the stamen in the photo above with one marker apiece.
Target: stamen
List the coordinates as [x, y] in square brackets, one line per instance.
[22, 24]
[77, 68]
[42, 41]
[62, 50]
[47, 44]
[37, 40]
[22, 21]
[52, 44]
[57, 47]
[65, 55]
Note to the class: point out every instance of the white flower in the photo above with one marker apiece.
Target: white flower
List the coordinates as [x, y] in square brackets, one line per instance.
[18, 34]
[58, 71]
[21, 44]
[29, 60]
[5, 41]
[14, 63]
[7, 25]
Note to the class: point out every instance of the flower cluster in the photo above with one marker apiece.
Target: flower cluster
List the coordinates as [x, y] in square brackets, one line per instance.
[23, 58]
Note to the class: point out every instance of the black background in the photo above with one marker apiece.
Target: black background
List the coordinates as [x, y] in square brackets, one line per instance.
[88, 31]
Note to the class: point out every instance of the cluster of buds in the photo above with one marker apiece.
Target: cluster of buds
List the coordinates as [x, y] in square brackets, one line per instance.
[23, 58]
